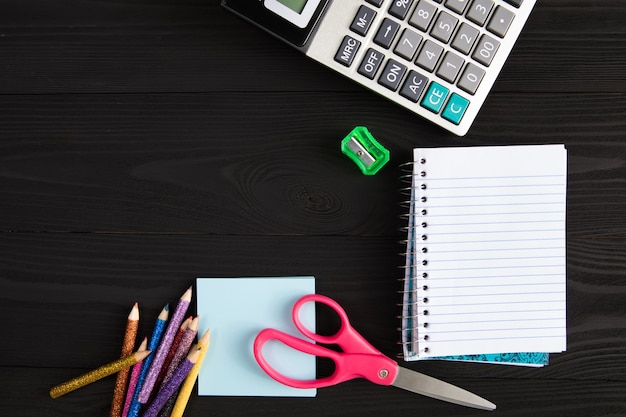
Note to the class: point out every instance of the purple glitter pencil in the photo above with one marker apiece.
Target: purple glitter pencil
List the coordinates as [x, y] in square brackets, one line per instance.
[172, 385]
[182, 350]
[164, 346]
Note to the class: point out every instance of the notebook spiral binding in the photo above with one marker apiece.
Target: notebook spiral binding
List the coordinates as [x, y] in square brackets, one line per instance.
[414, 299]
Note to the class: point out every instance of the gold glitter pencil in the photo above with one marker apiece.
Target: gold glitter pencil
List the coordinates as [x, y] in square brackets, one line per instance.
[97, 374]
[128, 345]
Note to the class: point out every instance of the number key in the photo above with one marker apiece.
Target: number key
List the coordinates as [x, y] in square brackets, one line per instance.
[457, 5]
[444, 26]
[471, 78]
[465, 38]
[450, 66]
[423, 15]
[408, 43]
[486, 50]
[479, 11]
[429, 55]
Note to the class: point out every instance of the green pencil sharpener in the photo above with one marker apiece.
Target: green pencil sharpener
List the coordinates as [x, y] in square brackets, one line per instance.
[364, 150]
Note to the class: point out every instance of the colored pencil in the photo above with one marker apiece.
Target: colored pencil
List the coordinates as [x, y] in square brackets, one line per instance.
[134, 377]
[155, 339]
[172, 351]
[164, 346]
[181, 350]
[97, 374]
[128, 345]
[190, 380]
[172, 385]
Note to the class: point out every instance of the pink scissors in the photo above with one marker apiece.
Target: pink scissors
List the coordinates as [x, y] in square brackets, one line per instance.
[359, 359]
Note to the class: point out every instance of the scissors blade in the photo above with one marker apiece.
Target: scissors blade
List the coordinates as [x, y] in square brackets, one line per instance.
[435, 388]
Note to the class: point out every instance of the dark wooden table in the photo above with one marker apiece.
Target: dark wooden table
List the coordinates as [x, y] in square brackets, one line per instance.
[145, 143]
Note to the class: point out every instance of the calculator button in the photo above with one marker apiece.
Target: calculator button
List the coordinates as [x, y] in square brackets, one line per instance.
[429, 56]
[392, 75]
[347, 51]
[500, 21]
[363, 20]
[471, 78]
[485, 50]
[465, 38]
[444, 26]
[423, 15]
[455, 108]
[386, 33]
[413, 86]
[516, 3]
[400, 8]
[479, 11]
[450, 67]
[408, 44]
[457, 5]
[376, 3]
[435, 97]
[370, 64]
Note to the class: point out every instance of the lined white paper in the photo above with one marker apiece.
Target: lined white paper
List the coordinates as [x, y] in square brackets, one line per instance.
[488, 243]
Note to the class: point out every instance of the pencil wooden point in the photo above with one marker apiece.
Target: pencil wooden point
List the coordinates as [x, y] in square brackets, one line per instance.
[165, 312]
[187, 295]
[134, 312]
[143, 346]
[141, 355]
[194, 354]
[206, 338]
[194, 324]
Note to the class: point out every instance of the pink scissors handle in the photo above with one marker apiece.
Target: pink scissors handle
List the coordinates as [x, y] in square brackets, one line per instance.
[346, 337]
[359, 359]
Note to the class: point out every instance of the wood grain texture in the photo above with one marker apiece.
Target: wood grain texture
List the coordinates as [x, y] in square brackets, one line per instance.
[144, 143]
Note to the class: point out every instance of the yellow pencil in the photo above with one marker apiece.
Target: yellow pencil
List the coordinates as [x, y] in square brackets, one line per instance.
[97, 374]
[117, 404]
[190, 380]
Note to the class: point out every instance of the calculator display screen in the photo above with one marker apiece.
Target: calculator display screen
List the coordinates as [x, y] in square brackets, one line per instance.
[297, 12]
[295, 5]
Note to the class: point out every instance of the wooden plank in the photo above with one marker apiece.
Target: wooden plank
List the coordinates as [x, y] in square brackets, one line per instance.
[186, 163]
[117, 47]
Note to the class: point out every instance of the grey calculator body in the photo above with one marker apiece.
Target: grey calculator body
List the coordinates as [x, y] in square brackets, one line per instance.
[437, 58]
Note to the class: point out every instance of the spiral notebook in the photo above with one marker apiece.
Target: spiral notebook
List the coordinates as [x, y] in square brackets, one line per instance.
[485, 254]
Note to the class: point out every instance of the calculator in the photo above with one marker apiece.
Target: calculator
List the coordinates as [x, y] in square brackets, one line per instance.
[437, 58]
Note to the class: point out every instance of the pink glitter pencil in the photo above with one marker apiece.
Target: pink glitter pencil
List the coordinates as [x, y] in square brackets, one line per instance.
[134, 377]
[164, 346]
[172, 385]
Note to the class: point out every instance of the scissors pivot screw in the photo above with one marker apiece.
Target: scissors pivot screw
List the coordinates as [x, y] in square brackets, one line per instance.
[383, 373]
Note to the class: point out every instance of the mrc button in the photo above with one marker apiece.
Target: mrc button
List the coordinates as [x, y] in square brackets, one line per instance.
[347, 51]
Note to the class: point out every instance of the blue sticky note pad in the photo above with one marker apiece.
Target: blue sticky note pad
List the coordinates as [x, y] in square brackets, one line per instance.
[236, 310]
